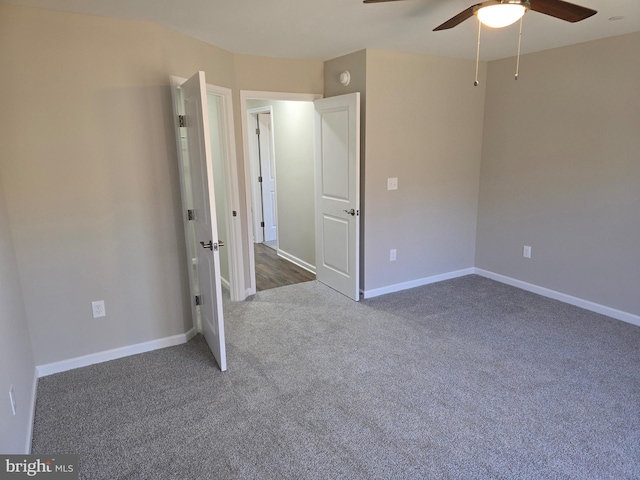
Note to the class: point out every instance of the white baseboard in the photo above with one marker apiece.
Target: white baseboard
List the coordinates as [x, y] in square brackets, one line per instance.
[77, 362]
[563, 297]
[417, 283]
[32, 412]
[225, 284]
[301, 263]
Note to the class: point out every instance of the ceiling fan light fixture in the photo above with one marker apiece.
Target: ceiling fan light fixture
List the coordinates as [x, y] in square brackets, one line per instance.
[501, 14]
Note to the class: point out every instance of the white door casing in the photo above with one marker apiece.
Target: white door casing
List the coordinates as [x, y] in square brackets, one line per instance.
[262, 160]
[204, 223]
[337, 178]
[253, 232]
[268, 172]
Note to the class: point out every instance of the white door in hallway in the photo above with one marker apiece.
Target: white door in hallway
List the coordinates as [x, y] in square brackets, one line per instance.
[268, 174]
[337, 176]
[203, 216]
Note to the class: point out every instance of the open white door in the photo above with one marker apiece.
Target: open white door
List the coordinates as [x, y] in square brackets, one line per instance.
[203, 214]
[337, 173]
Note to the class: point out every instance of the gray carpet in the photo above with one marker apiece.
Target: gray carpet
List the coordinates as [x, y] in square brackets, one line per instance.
[466, 378]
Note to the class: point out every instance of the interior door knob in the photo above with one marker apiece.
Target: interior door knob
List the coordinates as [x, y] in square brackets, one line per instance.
[207, 245]
[351, 212]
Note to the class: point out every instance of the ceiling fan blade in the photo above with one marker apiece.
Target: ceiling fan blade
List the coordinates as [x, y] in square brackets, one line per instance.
[562, 10]
[380, 1]
[458, 19]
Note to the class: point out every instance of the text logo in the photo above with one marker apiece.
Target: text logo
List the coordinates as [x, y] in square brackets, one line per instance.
[53, 467]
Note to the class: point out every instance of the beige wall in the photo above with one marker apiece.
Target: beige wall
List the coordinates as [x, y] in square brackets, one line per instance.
[91, 178]
[293, 146]
[561, 171]
[90, 173]
[16, 353]
[270, 74]
[356, 64]
[423, 126]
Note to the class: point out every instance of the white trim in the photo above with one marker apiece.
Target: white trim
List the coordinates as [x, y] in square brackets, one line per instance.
[293, 259]
[417, 283]
[563, 297]
[258, 95]
[85, 360]
[255, 170]
[32, 412]
[545, 292]
[234, 225]
[178, 109]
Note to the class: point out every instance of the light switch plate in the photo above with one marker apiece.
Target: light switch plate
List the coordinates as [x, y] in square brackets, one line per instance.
[392, 183]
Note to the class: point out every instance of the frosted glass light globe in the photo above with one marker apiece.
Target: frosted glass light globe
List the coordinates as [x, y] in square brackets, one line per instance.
[501, 15]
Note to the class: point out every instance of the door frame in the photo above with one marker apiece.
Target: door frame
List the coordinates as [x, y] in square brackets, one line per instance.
[234, 227]
[255, 169]
[258, 95]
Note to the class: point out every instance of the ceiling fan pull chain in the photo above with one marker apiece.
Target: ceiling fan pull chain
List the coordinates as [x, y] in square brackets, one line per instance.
[519, 43]
[476, 83]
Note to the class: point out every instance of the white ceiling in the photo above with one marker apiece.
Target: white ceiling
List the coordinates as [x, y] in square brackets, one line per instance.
[325, 29]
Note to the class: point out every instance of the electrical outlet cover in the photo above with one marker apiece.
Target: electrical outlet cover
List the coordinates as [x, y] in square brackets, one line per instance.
[98, 309]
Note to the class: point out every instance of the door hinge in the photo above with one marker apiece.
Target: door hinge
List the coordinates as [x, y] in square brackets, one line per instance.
[235, 214]
[182, 121]
[257, 131]
[198, 300]
[260, 179]
[262, 224]
[191, 214]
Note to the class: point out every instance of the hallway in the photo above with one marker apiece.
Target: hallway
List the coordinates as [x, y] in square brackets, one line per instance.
[273, 271]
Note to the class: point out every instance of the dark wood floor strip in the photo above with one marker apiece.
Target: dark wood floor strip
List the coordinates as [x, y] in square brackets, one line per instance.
[273, 271]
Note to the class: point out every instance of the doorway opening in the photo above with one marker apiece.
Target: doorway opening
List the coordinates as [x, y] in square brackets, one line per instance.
[278, 134]
[263, 176]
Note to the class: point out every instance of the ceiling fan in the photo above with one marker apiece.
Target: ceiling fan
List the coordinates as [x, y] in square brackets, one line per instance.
[514, 9]
[501, 13]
